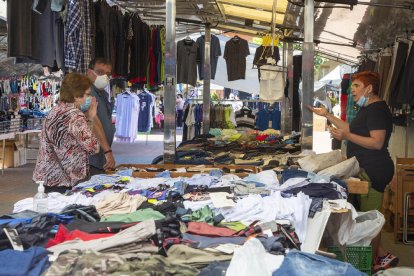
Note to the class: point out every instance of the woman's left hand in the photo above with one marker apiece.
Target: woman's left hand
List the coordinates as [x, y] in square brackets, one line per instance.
[339, 134]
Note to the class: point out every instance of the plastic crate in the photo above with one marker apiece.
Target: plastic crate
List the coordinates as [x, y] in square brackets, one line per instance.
[34, 123]
[359, 256]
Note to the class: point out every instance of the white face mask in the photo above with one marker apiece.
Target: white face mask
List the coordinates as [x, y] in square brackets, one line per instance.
[362, 101]
[101, 81]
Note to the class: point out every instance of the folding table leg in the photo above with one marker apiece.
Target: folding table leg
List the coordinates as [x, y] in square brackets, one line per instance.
[405, 218]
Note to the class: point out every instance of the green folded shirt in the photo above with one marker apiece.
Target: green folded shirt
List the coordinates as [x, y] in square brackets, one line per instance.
[137, 216]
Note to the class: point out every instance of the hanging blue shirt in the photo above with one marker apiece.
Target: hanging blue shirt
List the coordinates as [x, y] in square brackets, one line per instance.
[276, 117]
[262, 119]
[145, 101]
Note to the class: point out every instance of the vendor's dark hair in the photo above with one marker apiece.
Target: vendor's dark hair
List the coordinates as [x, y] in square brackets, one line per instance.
[95, 61]
[179, 95]
[367, 78]
[73, 86]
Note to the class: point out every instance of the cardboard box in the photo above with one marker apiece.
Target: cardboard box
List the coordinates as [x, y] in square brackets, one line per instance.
[358, 187]
[319, 123]
[31, 155]
[15, 155]
[8, 155]
[19, 155]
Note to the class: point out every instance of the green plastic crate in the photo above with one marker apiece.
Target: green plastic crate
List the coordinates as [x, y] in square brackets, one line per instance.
[359, 256]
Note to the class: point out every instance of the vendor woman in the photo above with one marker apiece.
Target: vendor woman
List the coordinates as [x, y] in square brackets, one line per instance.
[367, 139]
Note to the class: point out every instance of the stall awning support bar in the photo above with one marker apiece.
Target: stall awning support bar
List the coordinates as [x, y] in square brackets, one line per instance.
[307, 76]
[206, 81]
[289, 102]
[170, 83]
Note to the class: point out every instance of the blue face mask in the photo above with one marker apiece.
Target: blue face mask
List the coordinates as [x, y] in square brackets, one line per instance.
[362, 101]
[84, 107]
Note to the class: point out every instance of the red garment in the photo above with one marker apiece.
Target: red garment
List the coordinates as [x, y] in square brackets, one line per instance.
[63, 234]
[261, 137]
[138, 80]
[44, 90]
[344, 102]
[205, 229]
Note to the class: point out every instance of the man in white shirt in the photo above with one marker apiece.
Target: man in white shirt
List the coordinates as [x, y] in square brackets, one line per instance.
[180, 110]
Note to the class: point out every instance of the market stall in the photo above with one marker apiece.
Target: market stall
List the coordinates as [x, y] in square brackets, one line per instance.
[159, 220]
[233, 201]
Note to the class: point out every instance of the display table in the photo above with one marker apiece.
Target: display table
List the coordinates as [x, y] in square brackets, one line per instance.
[357, 187]
[177, 170]
[4, 137]
[405, 185]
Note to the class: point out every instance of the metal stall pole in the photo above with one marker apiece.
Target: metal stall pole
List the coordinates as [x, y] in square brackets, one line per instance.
[3, 157]
[206, 81]
[284, 102]
[170, 83]
[307, 75]
[290, 90]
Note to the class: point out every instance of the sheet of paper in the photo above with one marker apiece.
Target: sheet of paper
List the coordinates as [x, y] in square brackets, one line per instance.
[222, 200]
[227, 248]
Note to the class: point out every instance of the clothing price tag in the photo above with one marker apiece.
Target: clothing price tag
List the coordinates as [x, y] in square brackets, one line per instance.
[14, 238]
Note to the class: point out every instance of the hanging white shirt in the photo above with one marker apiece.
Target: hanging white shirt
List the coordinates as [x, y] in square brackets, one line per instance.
[271, 83]
[127, 112]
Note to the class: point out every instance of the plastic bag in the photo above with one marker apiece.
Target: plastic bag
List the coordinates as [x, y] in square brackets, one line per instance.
[318, 162]
[367, 226]
[360, 229]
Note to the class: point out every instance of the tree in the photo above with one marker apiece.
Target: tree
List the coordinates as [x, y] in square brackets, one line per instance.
[317, 59]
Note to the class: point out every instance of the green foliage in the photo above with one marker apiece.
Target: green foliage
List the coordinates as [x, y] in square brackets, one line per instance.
[214, 97]
[317, 60]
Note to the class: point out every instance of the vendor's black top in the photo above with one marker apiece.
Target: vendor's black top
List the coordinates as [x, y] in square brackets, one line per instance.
[377, 163]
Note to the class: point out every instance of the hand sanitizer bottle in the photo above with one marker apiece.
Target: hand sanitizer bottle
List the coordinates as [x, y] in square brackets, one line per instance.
[40, 199]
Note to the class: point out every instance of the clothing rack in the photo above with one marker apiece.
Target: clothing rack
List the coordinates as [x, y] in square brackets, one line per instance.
[281, 68]
[408, 35]
[244, 101]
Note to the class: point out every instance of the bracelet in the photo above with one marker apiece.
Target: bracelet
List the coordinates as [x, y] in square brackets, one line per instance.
[108, 151]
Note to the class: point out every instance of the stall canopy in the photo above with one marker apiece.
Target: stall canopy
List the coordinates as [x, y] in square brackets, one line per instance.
[341, 31]
[344, 31]
[335, 76]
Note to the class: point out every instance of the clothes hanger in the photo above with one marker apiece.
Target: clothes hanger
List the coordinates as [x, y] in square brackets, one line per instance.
[236, 38]
[127, 91]
[266, 41]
